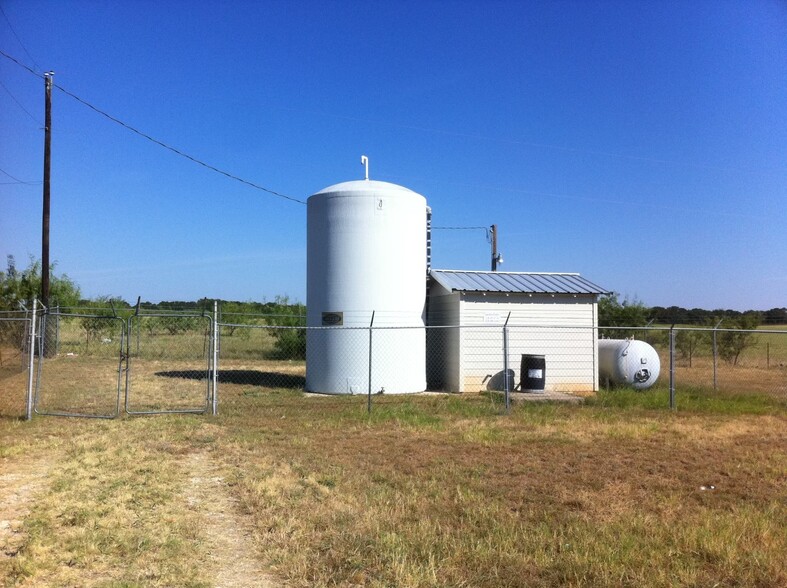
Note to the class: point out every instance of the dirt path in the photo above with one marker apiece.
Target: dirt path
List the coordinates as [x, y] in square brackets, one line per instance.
[21, 479]
[231, 552]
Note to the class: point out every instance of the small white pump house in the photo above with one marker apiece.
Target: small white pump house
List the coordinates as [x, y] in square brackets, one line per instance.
[552, 316]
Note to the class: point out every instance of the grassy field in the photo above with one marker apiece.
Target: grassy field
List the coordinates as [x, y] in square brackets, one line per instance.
[289, 489]
[434, 490]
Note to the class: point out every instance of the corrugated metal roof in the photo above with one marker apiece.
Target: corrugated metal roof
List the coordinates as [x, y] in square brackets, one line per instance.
[511, 282]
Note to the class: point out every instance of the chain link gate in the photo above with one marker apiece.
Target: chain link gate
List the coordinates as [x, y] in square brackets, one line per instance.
[16, 365]
[80, 365]
[94, 365]
[168, 364]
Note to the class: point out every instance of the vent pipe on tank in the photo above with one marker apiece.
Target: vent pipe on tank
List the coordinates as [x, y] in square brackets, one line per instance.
[428, 240]
[365, 162]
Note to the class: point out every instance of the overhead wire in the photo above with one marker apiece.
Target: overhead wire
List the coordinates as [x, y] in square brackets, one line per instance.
[460, 228]
[19, 104]
[10, 26]
[16, 180]
[486, 230]
[156, 141]
[177, 151]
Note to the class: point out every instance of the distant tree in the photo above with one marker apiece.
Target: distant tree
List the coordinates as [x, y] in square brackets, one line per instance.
[614, 313]
[689, 342]
[696, 316]
[290, 343]
[98, 325]
[24, 286]
[234, 315]
[676, 315]
[177, 325]
[731, 343]
[775, 316]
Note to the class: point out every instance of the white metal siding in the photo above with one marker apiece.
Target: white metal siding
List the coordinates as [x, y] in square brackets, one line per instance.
[443, 349]
[562, 328]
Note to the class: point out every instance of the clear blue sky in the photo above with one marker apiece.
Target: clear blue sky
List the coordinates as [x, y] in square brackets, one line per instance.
[641, 144]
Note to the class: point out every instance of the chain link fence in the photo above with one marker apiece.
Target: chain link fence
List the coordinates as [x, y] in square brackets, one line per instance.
[169, 364]
[79, 368]
[15, 363]
[103, 364]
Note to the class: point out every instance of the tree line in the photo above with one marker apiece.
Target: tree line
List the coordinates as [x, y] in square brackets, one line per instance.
[734, 335]
[20, 286]
[699, 316]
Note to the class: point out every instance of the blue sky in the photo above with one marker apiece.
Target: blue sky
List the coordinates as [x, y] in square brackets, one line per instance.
[641, 144]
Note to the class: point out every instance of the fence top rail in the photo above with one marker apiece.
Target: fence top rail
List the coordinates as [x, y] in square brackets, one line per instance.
[263, 315]
[128, 310]
[492, 326]
[271, 327]
[396, 327]
[163, 314]
[14, 318]
[81, 315]
[690, 328]
[107, 313]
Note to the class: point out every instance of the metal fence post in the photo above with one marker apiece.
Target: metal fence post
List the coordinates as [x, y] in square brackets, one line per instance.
[369, 402]
[31, 363]
[715, 354]
[215, 349]
[57, 330]
[672, 367]
[505, 365]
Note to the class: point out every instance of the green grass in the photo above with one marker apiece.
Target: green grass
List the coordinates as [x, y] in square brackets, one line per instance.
[699, 400]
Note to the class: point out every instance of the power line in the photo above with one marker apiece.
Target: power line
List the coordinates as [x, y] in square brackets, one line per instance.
[460, 228]
[487, 233]
[177, 151]
[157, 142]
[20, 64]
[19, 104]
[16, 180]
[10, 26]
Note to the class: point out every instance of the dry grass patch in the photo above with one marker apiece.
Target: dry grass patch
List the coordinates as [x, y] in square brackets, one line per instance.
[110, 516]
[563, 498]
[127, 505]
[229, 535]
[13, 391]
[427, 491]
[22, 480]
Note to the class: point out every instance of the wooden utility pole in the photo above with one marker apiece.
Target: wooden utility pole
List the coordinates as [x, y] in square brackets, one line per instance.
[47, 164]
[493, 238]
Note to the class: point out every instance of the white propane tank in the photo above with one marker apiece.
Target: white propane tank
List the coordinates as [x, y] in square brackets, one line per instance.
[628, 362]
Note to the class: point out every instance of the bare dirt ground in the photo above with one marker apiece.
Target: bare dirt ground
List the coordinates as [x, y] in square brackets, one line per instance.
[231, 550]
[21, 480]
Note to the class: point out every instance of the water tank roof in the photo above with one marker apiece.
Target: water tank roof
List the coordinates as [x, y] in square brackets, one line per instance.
[364, 187]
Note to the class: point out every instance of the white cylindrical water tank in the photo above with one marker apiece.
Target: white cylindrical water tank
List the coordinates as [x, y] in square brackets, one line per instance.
[366, 256]
[628, 362]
